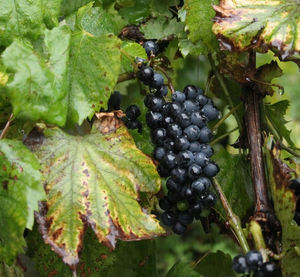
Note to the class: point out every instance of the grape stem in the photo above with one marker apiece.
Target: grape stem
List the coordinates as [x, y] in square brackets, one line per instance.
[223, 136]
[224, 87]
[219, 123]
[232, 218]
[126, 77]
[4, 131]
[170, 85]
[258, 238]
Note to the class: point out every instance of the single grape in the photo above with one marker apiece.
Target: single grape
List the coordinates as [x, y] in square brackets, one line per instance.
[166, 109]
[172, 185]
[254, 259]
[210, 200]
[178, 97]
[192, 132]
[187, 192]
[163, 171]
[168, 218]
[194, 171]
[169, 160]
[166, 121]
[201, 159]
[114, 101]
[162, 92]
[211, 169]
[179, 228]
[189, 106]
[185, 158]
[157, 81]
[239, 264]
[190, 92]
[201, 185]
[150, 47]
[205, 135]
[269, 269]
[132, 112]
[134, 124]
[210, 112]
[153, 119]
[202, 100]
[174, 110]
[183, 120]
[179, 174]
[158, 136]
[196, 208]
[148, 100]
[182, 143]
[159, 153]
[198, 119]
[174, 130]
[195, 146]
[169, 144]
[146, 74]
[156, 104]
[207, 150]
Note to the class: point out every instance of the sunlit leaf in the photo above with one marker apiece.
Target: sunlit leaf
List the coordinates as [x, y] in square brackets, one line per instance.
[182, 269]
[284, 205]
[245, 24]
[20, 191]
[95, 181]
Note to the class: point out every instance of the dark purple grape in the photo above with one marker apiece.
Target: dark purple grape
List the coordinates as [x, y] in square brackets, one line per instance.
[189, 107]
[172, 185]
[146, 74]
[147, 100]
[211, 169]
[174, 130]
[195, 146]
[150, 47]
[169, 160]
[185, 218]
[205, 135]
[198, 119]
[239, 264]
[162, 92]
[163, 171]
[158, 136]
[178, 97]
[169, 144]
[174, 110]
[196, 208]
[168, 218]
[210, 112]
[179, 228]
[201, 185]
[190, 92]
[194, 171]
[157, 81]
[210, 200]
[114, 101]
[153, 119]
[159, 153]
[182, 143]
[132, 112]
[201, 159]
[254, 259]
[183, 120]
[156, 104]
[167, 121]
[165, 204]
[207, 150]
[185, 158]
[192, 132]
[179, 175]
[201, 100]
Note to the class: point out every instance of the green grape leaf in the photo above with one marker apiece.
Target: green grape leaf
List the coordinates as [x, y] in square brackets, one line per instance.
[93, 72]
[70, 6]
[95, 181]
[162, 8]
[38, 89]
[161, 28]
[275, 114]
[215, 265]
[265, 74]
[284, 204]
[98, 21]
[197, 15]
[10, 271]
[20, 191]
[20, 19]
[245, 24]
[132, 50]
[235, 179]
[182, 270]
[187, 47]
[136, 11]
[130, 259]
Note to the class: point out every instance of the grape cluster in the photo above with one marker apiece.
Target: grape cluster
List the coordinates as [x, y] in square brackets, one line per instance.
[252, 262]
[181, 136]
[295, 186]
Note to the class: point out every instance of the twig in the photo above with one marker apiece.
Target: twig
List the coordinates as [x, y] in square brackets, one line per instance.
[219, 123]
[258, 238]
[126, 76]
[223, 136]
[170, 85]
[233, 219]
[252, 120]
[223, 85]
[4, 131]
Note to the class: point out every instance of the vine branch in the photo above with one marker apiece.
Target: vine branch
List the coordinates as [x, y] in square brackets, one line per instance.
[224, 87]
[4, 131]
[232, 218]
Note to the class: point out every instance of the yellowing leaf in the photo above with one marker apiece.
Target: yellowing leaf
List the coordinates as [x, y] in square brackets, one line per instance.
[95, 181]
[245, 24]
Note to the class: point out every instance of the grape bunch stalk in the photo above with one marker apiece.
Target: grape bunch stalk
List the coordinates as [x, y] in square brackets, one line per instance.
[181, 137]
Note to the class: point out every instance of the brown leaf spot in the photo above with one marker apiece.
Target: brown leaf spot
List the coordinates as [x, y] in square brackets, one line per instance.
[144, 261]
[107, 88]
[108, 122]
[103, 256]
[5, 184]
[57, 233]
[86, 172]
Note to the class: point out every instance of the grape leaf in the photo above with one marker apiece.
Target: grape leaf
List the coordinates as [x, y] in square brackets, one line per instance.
[10, 271]
[137, 11]
[215, 265]
[162, 8]
[275, 114]
[70, 6]
[20, 19]
[38, 89]
[242, 25]
[95, 181]
[198, 16]
[284, 205]
[98, 21]
[130, 259]
[187, 47]
[93, 72]
[161, 28]
[182, 270]
[20, 191]
[234, 177]
[132, 50]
